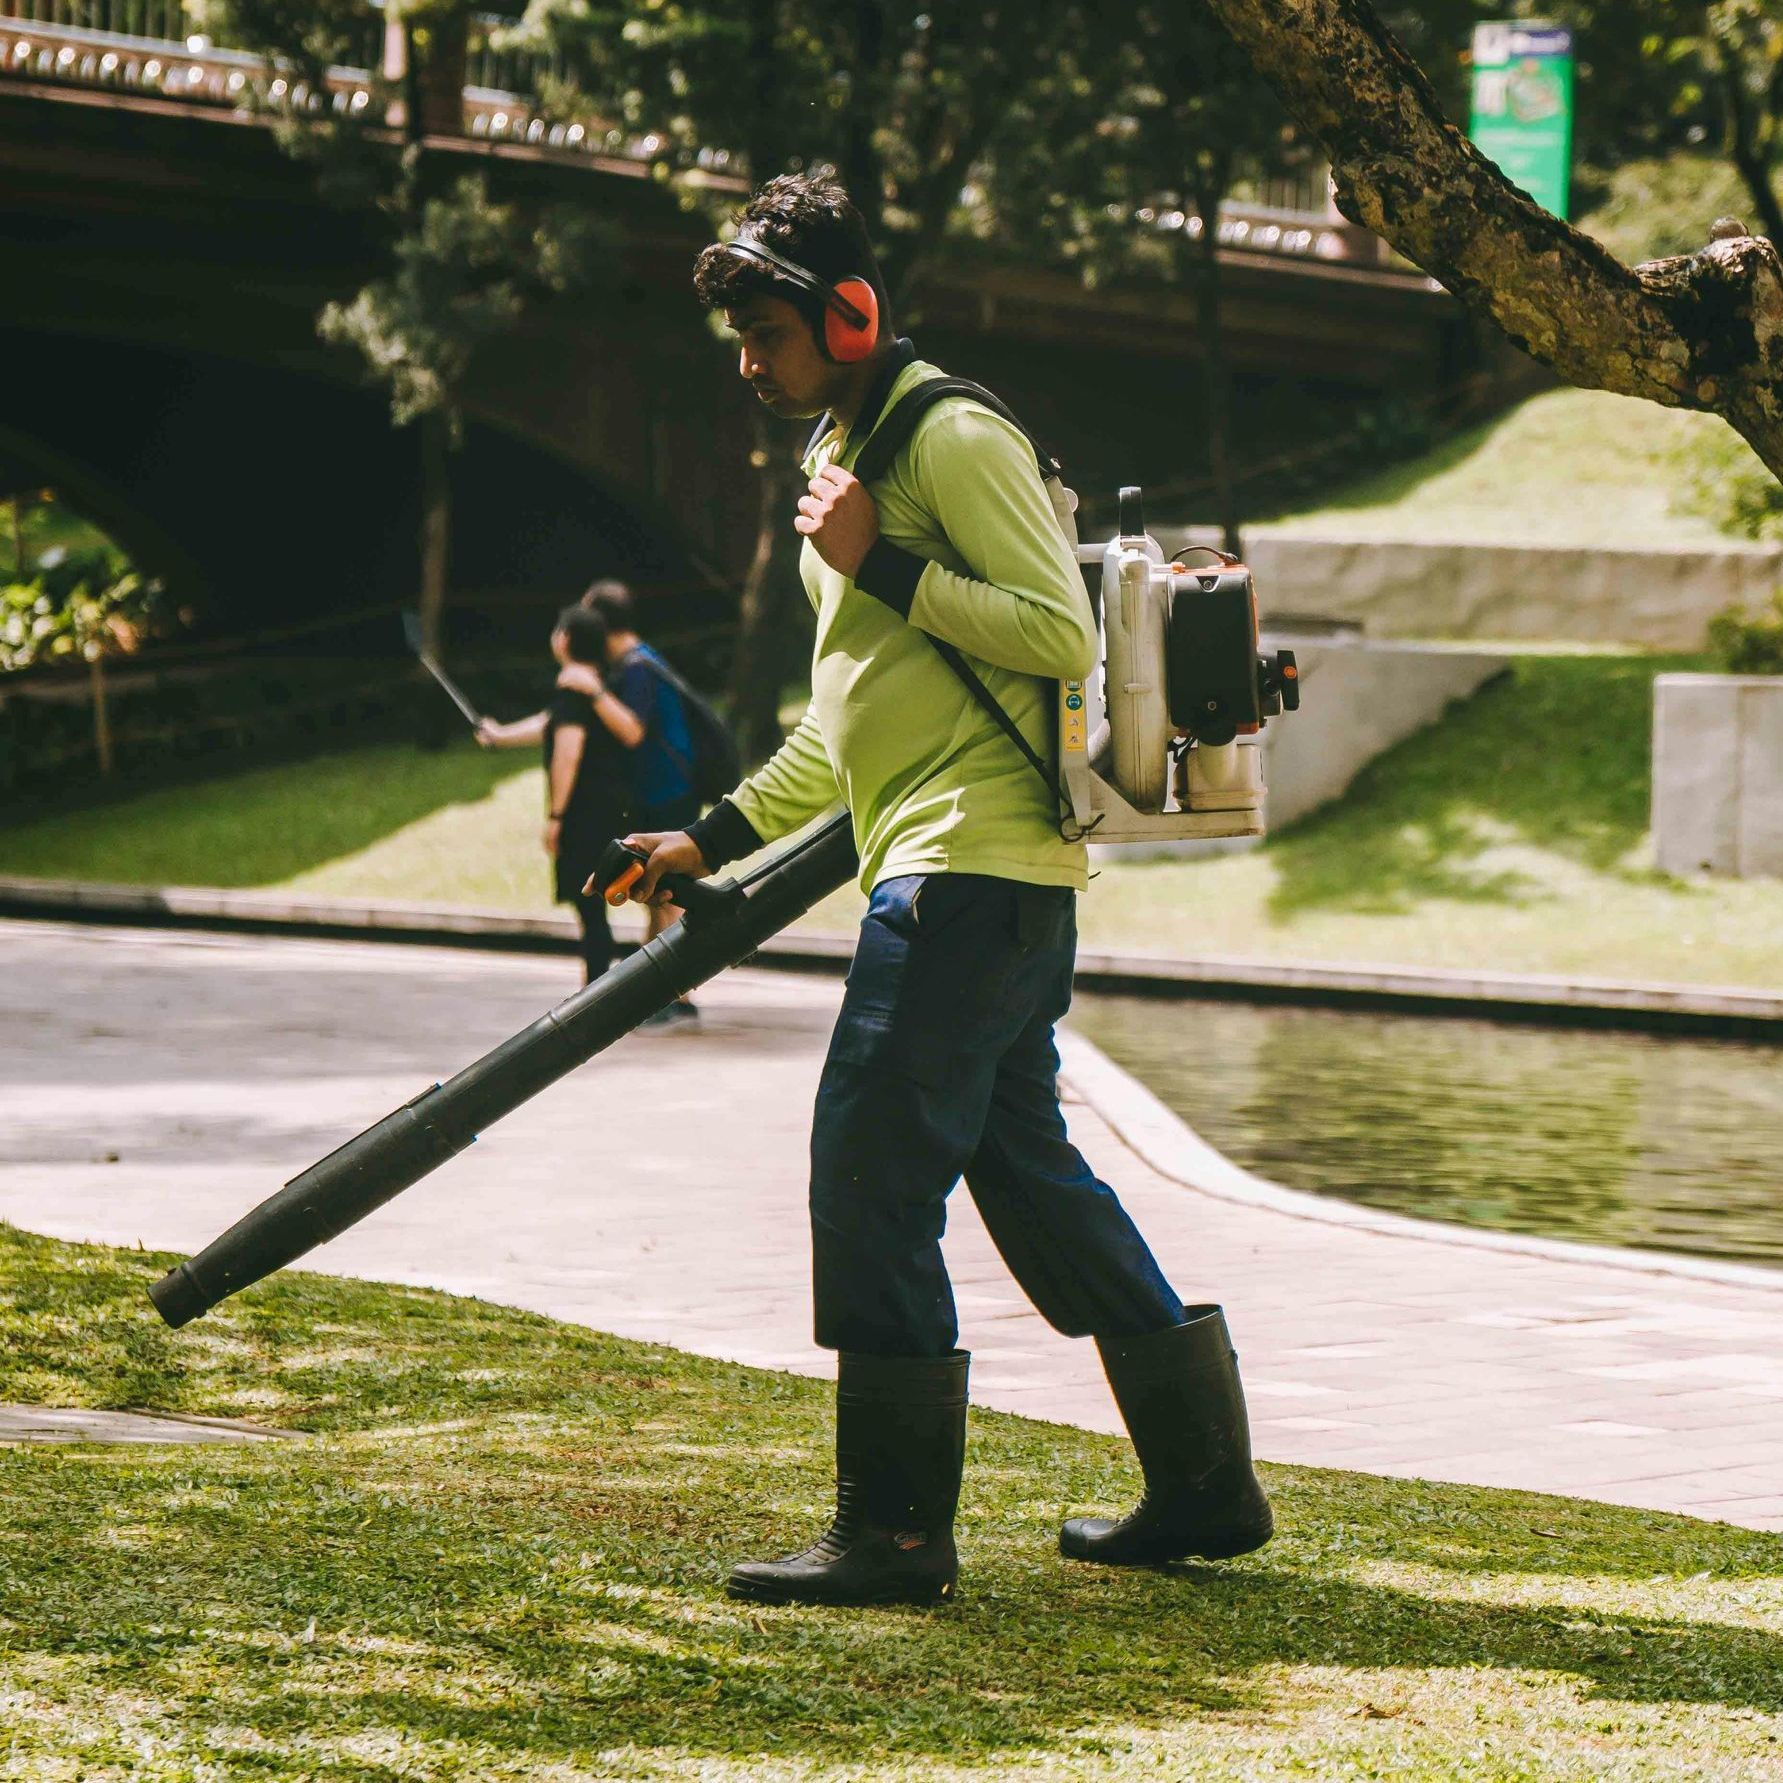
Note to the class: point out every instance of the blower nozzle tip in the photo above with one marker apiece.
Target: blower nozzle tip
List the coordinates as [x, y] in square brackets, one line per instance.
[178, 1298]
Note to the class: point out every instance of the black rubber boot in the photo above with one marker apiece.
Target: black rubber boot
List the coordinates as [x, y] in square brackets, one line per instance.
[1178, 1391]
[900, 1444]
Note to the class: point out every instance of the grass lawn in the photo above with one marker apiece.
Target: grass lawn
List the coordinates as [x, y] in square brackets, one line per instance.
[499, 1556]
[1570, 467]
[1513, 837]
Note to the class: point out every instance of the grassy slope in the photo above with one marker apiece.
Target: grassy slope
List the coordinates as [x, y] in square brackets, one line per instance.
[1570, 467]
[1510, 838]
[500, 1559]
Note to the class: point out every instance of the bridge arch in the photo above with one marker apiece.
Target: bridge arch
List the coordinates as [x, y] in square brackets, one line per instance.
[268, 494]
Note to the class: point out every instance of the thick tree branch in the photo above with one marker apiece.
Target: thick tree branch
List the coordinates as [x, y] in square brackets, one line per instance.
[1702, 332]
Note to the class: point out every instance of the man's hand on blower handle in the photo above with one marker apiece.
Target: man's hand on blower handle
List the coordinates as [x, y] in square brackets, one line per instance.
[672, 852]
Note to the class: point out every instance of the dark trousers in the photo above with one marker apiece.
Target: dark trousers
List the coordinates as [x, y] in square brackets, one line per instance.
[942, 1064]
[596, 944]
[586, 832]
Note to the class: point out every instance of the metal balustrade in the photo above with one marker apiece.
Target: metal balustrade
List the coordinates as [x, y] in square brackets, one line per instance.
[168, 24]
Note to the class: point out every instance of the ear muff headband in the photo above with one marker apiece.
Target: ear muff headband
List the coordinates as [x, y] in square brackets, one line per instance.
[850, 306]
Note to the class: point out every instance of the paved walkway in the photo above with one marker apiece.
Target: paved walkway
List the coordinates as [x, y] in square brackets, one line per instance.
[20, 1424]
[157, 1085]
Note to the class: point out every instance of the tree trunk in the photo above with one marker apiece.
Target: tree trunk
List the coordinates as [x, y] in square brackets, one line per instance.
[1751, 159]
[758, 660]
[1701, 331]
[101, 714]
[439, 51]
[436, 528]
[1204, 258]
[863, 174]
[760, 656]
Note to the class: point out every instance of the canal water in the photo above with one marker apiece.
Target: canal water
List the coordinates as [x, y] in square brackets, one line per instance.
[1604, 1137]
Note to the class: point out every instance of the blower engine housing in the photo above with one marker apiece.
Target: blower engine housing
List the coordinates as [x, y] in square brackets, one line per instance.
[1160, 741]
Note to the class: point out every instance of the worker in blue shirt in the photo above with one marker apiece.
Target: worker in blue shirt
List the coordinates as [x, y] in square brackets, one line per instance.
[658, 766]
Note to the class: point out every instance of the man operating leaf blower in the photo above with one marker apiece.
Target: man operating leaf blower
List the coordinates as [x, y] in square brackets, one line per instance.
[949, 609]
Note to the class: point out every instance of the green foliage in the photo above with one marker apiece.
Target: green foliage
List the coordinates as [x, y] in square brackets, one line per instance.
[1749, 643]
[1151, 118]
[466, 269]
[305, 37]
[1725, 59]
[1727, 485]
[1658, 205]
[43, 539]
[38, 626]
[903, 99]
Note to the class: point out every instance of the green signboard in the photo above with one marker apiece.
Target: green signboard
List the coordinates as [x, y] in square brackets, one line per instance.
[1523, 107]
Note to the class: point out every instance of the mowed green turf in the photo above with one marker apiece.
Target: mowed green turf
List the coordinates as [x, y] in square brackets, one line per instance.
[1512, 837]
[1569, 467]
[499, 1555]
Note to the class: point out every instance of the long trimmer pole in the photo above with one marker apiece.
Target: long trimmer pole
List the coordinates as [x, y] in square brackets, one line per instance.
[723, 927]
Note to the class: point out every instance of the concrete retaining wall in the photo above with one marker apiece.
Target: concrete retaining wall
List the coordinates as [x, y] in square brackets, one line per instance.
[1657, 598]
[1718, 774]
[1358, 698]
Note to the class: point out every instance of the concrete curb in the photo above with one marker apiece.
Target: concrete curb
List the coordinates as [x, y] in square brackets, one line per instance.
[1672, 1008]
[1172, 1148]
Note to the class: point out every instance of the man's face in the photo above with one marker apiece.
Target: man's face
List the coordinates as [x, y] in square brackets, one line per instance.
[780, 360]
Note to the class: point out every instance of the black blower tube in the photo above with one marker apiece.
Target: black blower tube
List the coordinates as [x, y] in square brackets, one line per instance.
[723, 925]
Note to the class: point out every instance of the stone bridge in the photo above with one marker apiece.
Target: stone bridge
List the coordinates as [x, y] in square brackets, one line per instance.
[166, 263]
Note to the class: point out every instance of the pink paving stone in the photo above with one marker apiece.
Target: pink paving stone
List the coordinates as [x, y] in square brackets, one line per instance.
[1388, 1351]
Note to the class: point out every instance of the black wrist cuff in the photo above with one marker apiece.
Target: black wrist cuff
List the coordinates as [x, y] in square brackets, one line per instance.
[723, 835]
[890, 574]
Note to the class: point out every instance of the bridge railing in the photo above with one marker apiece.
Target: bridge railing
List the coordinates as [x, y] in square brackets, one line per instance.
[156, 47]
[168, 24]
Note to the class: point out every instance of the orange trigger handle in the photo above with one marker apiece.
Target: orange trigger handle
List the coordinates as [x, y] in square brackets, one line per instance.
[619, 888]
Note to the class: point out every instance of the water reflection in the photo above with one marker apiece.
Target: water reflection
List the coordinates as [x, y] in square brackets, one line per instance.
[1610, 1138]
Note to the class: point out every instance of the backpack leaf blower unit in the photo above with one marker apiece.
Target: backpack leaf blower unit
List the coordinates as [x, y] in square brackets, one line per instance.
[1159, 742]
[1184, 683]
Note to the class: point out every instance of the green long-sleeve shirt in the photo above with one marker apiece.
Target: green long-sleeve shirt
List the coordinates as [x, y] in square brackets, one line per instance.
[933, 785]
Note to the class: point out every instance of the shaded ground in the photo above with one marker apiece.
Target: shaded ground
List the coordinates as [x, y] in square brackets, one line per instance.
[501, 1559]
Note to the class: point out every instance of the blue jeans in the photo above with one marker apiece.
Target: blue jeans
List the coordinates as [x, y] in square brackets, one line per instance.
[942, 1064]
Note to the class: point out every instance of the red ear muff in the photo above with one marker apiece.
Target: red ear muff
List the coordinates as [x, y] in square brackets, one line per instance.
[846, 340]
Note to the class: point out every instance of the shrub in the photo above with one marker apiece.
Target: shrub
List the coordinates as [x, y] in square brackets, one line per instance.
[1749, 643]
[39, 623]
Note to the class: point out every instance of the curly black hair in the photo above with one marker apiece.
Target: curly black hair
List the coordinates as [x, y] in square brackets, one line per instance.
[585, 634]
[806, 217]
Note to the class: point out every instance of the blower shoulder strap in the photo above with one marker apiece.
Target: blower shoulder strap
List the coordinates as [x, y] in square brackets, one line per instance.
[879, 454]
[898, 424]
